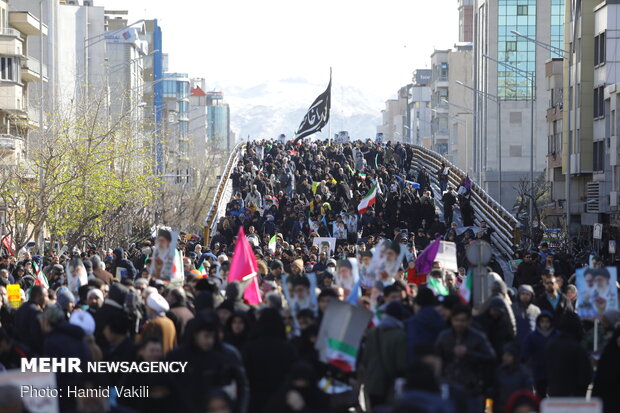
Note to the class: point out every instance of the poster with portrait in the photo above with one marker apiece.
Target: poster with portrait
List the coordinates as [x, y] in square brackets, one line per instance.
[76, 274]
[325, 244]
[387, 257]
[166, 251]
[597, 291]
[347, 275]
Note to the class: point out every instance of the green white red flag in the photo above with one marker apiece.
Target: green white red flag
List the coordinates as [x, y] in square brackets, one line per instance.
[368, 200]
[341, 355]
[465, 289]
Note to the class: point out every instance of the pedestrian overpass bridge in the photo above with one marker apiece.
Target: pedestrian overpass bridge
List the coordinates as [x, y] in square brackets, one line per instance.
[506, 238]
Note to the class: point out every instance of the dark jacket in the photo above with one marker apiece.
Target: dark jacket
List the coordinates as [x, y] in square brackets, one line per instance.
[527, 273]
[121, 262]
[385, 356]
[534, 349]
[608, 376]
[509, 379]
[27, 326]
[563, 307]
[423, 328]
[569, 370]
[525, 316]
[268, 358]
[469, 370]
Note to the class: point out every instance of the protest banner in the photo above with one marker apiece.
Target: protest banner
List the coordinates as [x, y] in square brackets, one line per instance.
[325, 244]
[340, 335]
[14, 293]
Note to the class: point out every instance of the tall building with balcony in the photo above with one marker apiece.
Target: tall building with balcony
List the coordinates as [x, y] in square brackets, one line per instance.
[466, 21]
[218, 123]
[519, 86]
[21, 75]
[440, 69]
[554, 211]
[126, 53]
[176, 95]
[198, 123]
[420, 108]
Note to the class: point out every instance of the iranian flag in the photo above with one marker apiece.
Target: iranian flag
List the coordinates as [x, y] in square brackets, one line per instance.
[203, 271]
[272, 244]
[465, 289]
[368, 200]
[341, 355]
[41, 278]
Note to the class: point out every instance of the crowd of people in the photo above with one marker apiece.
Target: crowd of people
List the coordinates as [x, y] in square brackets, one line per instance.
[425, 350]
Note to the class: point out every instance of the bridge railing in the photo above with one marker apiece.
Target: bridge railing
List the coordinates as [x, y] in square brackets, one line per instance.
[223, 193]
[507, 232]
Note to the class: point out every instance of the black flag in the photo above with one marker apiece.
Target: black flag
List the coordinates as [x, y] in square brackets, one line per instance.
[318, 114]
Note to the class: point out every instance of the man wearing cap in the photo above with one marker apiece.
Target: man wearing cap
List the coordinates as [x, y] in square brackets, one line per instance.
[158, 325]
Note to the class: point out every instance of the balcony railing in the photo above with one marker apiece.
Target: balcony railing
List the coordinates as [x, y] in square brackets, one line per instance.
[7, 31]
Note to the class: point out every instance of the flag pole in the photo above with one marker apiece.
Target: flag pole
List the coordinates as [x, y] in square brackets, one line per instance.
[330, 110]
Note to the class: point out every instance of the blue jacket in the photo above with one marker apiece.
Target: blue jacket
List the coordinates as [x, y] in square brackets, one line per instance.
[423, 328]
[534, 349]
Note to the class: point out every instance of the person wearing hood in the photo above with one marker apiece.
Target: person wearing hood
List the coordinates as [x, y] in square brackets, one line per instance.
[525, 312]
[608, 375]
[268, 358]
[569, 369]
[534, 350]
[234, 294]
[210, 365]
[120, 261]
[63, 340]
[99, 270]
[384, 357]
[494, 322]
[157, 324]
[426, 324]
[237, 330]
[300, 393]
[65, 300]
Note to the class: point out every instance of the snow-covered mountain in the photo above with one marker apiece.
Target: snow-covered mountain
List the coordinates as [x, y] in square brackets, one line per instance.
[269, 109]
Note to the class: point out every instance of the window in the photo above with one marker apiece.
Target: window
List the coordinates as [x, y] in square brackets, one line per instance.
[598, 106]
[9, 69]
[521, 10]
[511, 46]
[598, 156]
[600, 49]
[443, 71]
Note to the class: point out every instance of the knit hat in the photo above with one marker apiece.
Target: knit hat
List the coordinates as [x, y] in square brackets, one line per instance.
[525, 288]
[64, 297]
[157, 303]
[95, 292]
[53, 314]
[397, 310]
[84, 320]
[496, 303]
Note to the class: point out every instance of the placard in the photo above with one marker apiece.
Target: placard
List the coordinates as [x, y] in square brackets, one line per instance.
[597, 291]
[325, 244]
[14, 293]
[571, 405]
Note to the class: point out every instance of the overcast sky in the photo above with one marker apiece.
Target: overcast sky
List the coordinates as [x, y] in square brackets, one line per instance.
[247, 42]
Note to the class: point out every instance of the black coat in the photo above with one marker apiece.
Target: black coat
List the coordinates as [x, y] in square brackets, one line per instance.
[569, 370]
[608, 376]
[564, 306]
[267, 362]
[27, 327]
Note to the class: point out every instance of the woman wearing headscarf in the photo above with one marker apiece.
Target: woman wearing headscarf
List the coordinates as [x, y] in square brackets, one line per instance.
[268, 358]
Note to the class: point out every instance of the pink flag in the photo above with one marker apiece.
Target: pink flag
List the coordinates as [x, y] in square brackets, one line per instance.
[244, 269]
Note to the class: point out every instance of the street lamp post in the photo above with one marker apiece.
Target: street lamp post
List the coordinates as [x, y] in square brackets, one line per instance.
[565, 54]
[529, 76]
[497, 100]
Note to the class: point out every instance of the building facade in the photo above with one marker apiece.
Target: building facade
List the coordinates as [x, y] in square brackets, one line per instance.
[218, 123]
[420, 108]
[198, 123]
[176, 87]
[519, 82]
